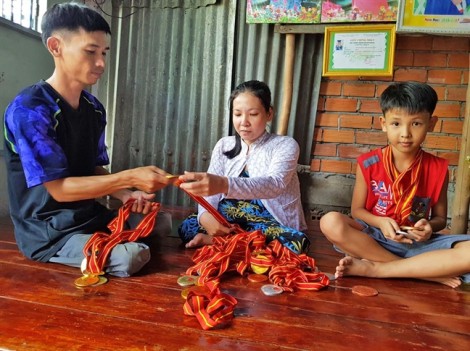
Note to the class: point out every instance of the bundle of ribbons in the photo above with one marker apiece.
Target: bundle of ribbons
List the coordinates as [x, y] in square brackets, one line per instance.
[240, 252]
[100, 244]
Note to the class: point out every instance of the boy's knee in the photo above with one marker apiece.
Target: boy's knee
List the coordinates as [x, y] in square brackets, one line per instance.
[328, 221]
[127, 259]
[331, 224]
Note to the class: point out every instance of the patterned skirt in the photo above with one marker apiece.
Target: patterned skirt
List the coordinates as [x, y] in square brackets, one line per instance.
[250, 215]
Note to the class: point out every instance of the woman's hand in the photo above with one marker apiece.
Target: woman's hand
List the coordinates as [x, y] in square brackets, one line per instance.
[212, 225]
[203, 184]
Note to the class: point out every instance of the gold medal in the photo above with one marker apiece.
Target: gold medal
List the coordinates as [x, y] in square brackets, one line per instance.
[258, 269]
[257, 278]
[86, 280]
[187, 280]
[184, 293]
[102, 280]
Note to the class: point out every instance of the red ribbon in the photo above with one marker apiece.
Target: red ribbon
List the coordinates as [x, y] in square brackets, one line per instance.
[236, 253]
[212, 308]
[100, 244]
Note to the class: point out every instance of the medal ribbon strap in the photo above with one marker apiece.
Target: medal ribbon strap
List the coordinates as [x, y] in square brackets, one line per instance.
[211, 309]
[288, 270]
[405, 184]
[100, 244]
[209, 208]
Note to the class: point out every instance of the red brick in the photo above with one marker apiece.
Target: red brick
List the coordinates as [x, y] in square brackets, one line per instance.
[456, 93]
[370, 106]
[338, 136]
[336, 166]
[404, 75]
[445, 43]
[381, 88]
[327, 119]
[441, 92]
[414, 43]
[403, 58]
[317, 135]
[371, 138]
[459, 60]
[441, 142]
[351, 151]
[355, 121]
[453, 157]
[429, 60]
[330, 88]
[448, 109]
[438, 126]
[315, 165]
[452, 127]
[443, 76]
[376, 123]
[324, 149]
[344, 105]
[367, 90]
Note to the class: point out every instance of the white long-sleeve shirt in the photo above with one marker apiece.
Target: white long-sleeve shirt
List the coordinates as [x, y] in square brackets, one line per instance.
[272, 165]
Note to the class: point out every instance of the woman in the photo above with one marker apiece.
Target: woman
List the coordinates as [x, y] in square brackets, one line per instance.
[252, 178]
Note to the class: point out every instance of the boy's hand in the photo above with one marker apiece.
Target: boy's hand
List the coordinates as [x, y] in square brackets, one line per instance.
[421, 231]
[390, 229]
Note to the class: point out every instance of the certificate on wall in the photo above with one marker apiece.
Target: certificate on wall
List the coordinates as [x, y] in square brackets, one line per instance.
[359, 50]
[434, 16]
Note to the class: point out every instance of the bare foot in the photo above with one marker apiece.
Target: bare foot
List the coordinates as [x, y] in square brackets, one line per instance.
[453, 282]
[353, 266]
[360, 267]
[199, 240]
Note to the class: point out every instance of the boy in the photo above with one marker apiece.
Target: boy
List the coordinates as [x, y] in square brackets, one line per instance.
[55, 150]
[400, 201]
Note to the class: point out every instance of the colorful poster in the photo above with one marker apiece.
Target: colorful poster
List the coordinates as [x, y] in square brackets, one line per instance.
[359, 11]
[283, 11]
[434, 16]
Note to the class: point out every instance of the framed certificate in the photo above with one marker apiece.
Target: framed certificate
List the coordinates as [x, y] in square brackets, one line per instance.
[366, 50]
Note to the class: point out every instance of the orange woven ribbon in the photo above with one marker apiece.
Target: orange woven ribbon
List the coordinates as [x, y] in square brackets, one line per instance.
[404, 185]
[236, 253]
[100, 244]
[212, 308]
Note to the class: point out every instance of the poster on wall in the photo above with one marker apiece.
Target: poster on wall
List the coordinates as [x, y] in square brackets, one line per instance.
[283, 11]
[434, 16]
[359, 11]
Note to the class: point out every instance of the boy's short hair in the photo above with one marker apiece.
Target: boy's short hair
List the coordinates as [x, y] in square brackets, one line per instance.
[413, 97]
[72, 16]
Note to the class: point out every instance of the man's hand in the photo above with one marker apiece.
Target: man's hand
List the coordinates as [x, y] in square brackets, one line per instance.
[142, 203]
[149, 178]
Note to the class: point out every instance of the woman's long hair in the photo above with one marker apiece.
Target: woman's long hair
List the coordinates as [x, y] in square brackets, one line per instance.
[258, 89]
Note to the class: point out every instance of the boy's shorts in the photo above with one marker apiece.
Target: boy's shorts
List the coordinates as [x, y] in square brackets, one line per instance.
[435, 242]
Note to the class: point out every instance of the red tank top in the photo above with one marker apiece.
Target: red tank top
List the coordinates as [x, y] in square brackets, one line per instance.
[380, 200]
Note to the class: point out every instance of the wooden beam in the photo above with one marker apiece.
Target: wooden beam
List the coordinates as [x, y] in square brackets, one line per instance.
[459, 221]
[287, 84]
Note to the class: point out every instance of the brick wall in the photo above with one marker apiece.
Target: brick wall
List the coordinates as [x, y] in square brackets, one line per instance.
[347, 122]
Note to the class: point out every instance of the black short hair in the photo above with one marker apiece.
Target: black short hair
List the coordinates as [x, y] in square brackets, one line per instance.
[413, 97]
[72, 16]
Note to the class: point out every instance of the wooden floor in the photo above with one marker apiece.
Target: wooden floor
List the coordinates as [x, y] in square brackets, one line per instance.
[41, 309]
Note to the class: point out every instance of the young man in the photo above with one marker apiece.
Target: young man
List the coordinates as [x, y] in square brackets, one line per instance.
[55, 152]
[400, 201]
